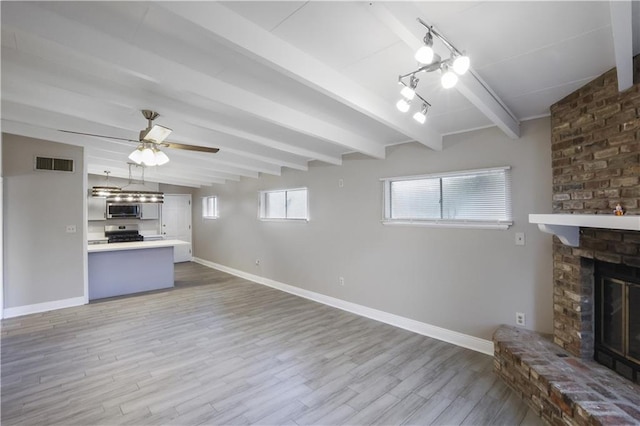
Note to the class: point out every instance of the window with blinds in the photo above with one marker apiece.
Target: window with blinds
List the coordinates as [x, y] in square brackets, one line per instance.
[210, 207]
[474, 198]
[285, 204]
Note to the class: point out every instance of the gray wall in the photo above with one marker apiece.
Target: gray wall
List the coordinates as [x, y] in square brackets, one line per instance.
[175, 189]
[465, 280]
[42, 262]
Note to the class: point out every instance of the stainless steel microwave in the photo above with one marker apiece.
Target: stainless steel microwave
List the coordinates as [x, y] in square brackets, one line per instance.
[123, 211]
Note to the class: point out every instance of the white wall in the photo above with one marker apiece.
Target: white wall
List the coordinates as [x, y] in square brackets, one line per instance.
[464, 280]
[42, 262]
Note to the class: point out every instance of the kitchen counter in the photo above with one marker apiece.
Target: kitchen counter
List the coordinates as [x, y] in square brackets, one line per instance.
[117, 269]
[134, 245]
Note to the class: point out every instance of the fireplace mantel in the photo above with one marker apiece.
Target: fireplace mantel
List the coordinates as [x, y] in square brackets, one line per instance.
[567, 226]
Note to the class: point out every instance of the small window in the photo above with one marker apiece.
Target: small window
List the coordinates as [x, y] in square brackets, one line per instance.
[210, 207]
[285, 204]
[475, 198]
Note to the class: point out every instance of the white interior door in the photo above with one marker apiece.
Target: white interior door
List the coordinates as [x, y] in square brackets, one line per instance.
[176, 224]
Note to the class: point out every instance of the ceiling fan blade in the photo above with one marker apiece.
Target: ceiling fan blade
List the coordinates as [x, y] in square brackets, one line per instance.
[98, 136]
[189, 147]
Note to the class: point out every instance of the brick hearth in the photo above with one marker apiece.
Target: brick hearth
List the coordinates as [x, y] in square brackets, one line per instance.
[561, 388]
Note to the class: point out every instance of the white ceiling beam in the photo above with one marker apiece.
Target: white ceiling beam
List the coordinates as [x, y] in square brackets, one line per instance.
[52, 98]
[162, 70]
[622, 29]
[37, 55]
[172, 168]
[98, 168]
[249, 39]
[151, 174]
[470, 85]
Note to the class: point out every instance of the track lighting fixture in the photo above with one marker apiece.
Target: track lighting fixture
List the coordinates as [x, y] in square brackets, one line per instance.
[457, 64]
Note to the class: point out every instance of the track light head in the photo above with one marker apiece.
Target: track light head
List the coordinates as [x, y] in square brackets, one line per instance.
[421, 116]
[409, 92]
[403, 105]
[461, 64]
[424, 54]
[449, 78]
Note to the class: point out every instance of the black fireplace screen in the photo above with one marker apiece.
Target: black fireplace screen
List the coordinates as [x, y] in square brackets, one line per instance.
[617, 321]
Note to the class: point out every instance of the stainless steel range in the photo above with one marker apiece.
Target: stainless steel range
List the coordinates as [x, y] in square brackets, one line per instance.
[122, 233]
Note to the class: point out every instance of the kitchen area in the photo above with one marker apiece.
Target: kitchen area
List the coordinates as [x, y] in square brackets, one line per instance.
[131, 247]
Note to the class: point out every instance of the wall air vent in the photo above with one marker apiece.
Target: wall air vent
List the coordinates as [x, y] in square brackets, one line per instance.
[54, 164]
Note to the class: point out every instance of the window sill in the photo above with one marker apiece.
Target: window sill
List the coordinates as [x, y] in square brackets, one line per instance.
[450, 224]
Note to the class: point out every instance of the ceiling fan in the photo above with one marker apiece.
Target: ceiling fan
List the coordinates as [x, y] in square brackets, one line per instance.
[150, 141]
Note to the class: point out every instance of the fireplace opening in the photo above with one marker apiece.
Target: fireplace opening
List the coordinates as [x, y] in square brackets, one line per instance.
[617, 318]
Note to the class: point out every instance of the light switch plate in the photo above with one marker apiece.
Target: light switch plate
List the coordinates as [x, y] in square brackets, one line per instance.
[71, 229]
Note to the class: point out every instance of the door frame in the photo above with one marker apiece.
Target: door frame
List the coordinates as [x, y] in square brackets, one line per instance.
[161, 222]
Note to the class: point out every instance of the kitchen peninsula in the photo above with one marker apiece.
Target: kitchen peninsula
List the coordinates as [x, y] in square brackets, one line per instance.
[131, 267]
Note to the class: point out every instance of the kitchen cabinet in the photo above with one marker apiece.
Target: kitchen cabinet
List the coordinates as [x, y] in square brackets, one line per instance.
[149, 211]
[132, 267]
[96, 208]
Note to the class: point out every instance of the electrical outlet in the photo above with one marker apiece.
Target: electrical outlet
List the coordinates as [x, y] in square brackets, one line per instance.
[341, 280]
[71, 229]
[257, 262]
[520, 318]
[340, 183]
[519, 238]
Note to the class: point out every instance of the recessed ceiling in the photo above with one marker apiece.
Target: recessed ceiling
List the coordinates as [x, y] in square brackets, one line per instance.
[279, 84]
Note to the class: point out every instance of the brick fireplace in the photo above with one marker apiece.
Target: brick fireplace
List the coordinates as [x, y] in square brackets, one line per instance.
[595, 139]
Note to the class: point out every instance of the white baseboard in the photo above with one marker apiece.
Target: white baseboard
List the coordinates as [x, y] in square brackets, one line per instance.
[43, 307]
[449, 336]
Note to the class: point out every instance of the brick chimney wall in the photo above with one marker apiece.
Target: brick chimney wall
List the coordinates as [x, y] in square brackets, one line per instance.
[595, 136]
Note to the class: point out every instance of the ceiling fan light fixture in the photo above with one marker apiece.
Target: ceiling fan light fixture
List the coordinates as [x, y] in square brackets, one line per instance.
[160, 157]
[156, 134]
[148, 157]
[136, 155]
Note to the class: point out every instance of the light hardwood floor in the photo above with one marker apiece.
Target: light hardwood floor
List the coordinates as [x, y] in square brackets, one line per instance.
[221, 350]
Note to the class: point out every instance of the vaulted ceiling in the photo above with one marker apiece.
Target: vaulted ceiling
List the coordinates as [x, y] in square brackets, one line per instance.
[279, 84]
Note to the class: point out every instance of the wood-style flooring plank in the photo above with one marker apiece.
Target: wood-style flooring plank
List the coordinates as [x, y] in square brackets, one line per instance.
[218, 349]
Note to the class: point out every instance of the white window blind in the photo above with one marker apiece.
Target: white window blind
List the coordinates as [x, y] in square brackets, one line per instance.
[284, 204]
[210, 207]
[480, 198]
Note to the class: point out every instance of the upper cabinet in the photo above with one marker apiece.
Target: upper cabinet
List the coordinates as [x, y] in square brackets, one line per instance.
[149, 211]
[96, 208]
